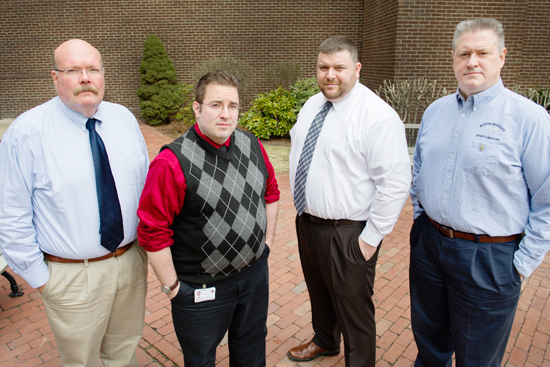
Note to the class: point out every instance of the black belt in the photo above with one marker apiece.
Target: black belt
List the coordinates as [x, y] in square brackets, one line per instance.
[334, 223]
[451, 233]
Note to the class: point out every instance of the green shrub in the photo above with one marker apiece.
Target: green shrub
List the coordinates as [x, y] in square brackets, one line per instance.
[185, 118]
[160, 93]
[272, 113]
[283, 74]
[240, 69]
[302, 90]
[275, 113]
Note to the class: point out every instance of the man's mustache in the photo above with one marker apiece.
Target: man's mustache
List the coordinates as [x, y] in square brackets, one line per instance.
[86, 88]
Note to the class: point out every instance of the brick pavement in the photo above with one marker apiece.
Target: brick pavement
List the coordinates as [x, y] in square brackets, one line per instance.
[26, 339]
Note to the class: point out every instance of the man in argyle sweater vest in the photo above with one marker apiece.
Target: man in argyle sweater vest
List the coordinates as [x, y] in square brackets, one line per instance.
[221, 228]
[207, 217]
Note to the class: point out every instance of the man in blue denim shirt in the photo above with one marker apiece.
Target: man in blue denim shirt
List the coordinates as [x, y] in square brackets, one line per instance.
[481, 197]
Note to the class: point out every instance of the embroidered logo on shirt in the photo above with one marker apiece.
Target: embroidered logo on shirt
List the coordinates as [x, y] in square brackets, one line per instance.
[492, 131]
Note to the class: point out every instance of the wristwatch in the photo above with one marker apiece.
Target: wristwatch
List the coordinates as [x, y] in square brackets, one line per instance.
[168, 289]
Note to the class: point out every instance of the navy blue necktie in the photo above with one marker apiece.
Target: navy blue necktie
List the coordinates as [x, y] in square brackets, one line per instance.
[110, 215]
[306, 156]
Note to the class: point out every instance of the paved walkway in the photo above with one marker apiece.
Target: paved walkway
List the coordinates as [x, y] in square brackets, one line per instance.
[26, 339]
[4, 123]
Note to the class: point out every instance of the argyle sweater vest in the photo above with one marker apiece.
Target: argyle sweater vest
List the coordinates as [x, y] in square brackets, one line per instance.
[220, 230]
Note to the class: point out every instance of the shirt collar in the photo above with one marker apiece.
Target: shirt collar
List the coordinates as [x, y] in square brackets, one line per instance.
[341, 103]
[481, 98]
[214, 144]
[76, 117]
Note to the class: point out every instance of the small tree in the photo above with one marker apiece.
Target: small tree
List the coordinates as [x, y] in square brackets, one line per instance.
[160, 93]
[283, 74]
[240, 69]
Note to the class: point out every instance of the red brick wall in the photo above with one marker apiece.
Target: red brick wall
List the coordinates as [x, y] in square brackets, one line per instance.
[535, 62]
[379, 42]
[425, 31]
[397, 39]
[258, 32]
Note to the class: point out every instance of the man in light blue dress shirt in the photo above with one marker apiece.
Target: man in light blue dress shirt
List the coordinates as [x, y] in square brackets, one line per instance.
[49, 213]
[481, 197]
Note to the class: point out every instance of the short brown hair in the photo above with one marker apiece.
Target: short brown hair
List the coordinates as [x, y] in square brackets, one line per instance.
[219, 77]
[336, 44]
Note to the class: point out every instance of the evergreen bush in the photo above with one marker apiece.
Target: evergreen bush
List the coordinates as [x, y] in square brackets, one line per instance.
[160, 93]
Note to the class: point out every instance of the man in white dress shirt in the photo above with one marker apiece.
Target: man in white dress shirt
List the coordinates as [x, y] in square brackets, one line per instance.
[355, 189]
[94, 296]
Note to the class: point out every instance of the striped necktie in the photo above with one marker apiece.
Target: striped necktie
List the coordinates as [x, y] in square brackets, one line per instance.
[305, 158]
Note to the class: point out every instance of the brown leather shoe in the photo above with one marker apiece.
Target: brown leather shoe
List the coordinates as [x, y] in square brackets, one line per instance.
[309, 351]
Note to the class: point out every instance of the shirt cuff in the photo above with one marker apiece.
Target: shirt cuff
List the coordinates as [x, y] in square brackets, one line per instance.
[155, 241]
[38, 276]
[272, 197]
[370, 237]
[523, 267]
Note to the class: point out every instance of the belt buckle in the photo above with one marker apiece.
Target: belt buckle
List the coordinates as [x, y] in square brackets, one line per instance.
[448, 229]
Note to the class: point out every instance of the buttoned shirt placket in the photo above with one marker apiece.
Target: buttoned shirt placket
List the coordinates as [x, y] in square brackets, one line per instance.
[462, 115]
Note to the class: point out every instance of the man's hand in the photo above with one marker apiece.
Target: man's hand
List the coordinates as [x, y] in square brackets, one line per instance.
[175, 291]
[41, 289]
[367, 250]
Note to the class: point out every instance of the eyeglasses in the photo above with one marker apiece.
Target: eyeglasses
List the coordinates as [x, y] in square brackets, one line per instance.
[73, 73]
[218, 107]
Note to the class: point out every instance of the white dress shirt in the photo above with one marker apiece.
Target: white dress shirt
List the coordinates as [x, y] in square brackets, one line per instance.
[48, 199]
[361, 168]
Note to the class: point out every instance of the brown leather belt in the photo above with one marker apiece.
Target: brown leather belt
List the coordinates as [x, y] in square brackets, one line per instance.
[334, 223]
[119, 251]
[451, 233]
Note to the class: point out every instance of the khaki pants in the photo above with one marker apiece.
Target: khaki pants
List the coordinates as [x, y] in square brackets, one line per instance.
[98, 308]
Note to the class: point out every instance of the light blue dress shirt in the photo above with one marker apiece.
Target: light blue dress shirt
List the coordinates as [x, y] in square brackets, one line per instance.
[48, 199]
[482, 166]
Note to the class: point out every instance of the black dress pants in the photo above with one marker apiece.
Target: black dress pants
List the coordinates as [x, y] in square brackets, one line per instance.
[340, 284]
[240, 306]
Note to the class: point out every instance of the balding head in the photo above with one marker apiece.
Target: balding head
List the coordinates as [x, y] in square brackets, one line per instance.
[78, 76]
[72, 45]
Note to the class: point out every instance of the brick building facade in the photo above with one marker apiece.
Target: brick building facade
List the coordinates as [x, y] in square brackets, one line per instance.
[398, 39]
[420, 32]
